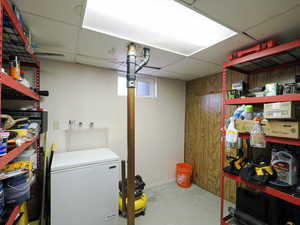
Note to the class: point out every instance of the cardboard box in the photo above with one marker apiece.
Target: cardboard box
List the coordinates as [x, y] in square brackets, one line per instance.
[280, 110]
[284, 129]
[244, 126]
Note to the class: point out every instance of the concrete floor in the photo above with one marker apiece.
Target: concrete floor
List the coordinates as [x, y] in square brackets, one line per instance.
[171, 205]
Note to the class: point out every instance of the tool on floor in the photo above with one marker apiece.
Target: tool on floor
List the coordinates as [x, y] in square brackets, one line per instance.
[132, 69]
[140, 203]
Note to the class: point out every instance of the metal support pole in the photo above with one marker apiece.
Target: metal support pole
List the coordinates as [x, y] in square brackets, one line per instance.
[131, 63]
[131, 155]
[132, 69]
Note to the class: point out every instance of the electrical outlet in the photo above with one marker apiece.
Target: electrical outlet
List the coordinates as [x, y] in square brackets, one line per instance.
[55, 125]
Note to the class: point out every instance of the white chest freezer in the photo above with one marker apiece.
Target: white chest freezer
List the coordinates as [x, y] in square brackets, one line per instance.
[84, 188]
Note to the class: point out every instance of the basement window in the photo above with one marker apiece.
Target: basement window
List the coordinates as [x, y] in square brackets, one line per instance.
[145, 86]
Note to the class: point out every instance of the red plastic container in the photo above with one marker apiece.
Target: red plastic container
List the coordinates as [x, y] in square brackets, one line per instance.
[184, 175]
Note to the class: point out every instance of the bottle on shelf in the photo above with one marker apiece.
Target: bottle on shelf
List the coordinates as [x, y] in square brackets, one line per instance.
[247, 114]
[14, 67]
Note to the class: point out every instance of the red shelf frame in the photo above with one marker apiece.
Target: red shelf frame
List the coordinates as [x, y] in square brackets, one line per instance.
[6, 6]
[4, 78]
[4, 160]
[287, 141]
[8, 84]
[8, 81]
[267, 99]
[253, 100]
[223, 222]
[267, 52]
[266, 189]
[13, 215]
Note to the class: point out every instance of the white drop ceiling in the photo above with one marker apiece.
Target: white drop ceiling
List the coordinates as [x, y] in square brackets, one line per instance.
[56, 28]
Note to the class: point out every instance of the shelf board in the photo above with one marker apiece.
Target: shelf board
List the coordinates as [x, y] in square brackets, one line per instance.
[266, 99]
[286, 141]
[4, 160]
[12, 218]
[266, 189]
[15, 90]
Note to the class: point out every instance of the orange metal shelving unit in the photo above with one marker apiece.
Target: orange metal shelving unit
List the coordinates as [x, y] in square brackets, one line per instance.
[13, 41]
[280, 56]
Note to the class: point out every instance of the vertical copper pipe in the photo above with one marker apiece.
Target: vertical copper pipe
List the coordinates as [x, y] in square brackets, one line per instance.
[131, 155]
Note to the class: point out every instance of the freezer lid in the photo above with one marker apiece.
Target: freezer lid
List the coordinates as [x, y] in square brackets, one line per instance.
[69, 160]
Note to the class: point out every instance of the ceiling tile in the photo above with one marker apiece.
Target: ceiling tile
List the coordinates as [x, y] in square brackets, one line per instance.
[172, 75]
[96, 62]
[193, 67]
[103, 46]
[50, 34]
[243, 14]
[282, 28]
[160, 58]
[219, 52]
[68, 11]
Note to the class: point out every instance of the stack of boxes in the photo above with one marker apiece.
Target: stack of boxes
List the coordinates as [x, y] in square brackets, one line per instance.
[280, 120]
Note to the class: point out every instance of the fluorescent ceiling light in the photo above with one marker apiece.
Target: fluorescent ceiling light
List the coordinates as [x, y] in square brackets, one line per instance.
[163, 24]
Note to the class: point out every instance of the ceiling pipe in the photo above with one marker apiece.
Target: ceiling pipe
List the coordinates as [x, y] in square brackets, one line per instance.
[145, 60]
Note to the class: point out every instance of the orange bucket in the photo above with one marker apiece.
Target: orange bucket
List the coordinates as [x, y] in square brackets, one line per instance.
[184, 174]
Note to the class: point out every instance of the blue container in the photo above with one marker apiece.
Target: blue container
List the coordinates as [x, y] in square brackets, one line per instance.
[17, 190]
[3, 149]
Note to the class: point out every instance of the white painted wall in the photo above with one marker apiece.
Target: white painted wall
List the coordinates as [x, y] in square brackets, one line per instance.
[89, 94]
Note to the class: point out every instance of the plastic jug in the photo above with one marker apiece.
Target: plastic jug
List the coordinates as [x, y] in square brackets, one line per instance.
[286, 167]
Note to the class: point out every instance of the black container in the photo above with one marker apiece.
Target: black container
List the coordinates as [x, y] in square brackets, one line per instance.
[255, 204]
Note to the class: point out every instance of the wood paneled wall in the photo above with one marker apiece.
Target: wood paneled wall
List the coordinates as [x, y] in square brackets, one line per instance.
[202, 134]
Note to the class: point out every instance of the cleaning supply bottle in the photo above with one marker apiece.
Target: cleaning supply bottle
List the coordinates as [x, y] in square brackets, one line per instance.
[238, 112]
[248, 113]
[231, 134]
[257, 137]
[286, 167]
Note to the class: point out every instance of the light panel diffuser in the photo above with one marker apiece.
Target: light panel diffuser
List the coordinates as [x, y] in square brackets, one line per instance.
[163, 24]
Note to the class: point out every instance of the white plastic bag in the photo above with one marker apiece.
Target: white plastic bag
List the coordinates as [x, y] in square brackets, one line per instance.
[231, 135]
[257, 137]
